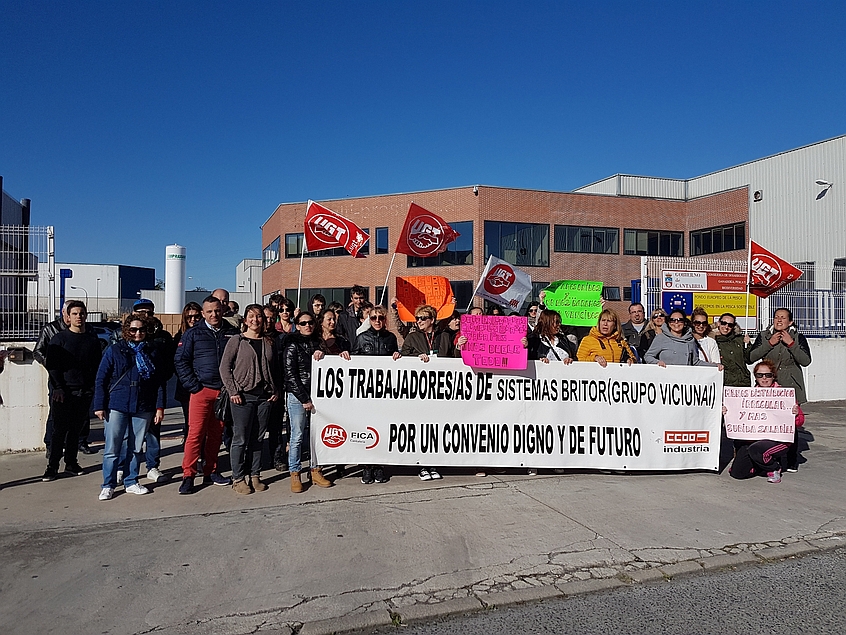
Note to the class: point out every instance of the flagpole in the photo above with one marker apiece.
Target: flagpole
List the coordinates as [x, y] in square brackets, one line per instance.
[473, 297]
[300, 278]
[385, 288]
[748, 284]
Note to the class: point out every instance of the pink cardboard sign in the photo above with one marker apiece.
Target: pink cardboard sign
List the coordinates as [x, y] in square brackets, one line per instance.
[494, 341]
[760, 413]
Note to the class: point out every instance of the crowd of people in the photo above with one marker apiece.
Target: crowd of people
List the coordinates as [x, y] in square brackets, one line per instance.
[244, 378]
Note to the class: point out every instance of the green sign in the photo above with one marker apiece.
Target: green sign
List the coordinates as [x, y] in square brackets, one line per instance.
[578, 302]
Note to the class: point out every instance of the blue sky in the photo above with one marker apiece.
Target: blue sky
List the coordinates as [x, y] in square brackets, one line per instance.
[133, 125]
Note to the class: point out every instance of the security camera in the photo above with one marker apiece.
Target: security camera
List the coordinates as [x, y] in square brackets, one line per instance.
[476, 190]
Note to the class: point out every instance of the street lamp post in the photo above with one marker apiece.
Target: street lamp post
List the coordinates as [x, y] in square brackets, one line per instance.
[97, 293]
[84, 291]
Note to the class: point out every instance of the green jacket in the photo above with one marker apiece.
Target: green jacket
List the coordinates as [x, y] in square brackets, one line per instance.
[734, 355]
[788, 360]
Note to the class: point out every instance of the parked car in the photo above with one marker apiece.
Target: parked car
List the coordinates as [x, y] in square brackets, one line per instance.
[107, 332]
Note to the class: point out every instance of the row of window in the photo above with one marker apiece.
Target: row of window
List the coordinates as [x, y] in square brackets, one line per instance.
[527, 244]
[461, 289]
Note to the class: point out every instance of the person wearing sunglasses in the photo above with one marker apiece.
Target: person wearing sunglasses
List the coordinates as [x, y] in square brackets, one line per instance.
[302, 348]
[423, 343]
[129, 395]
[377, 341]
[734, 351]
[533, 313]
[657, 324]
[675, 345]
[756, 458]
[701, 326]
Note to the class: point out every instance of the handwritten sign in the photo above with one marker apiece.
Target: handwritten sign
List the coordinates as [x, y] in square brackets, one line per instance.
[494, 341]
[760, 413]
[415, 291]
[578, 302]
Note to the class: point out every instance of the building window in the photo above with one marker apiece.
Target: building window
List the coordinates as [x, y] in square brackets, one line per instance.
[270, 254]
[458, 252]
[294, 243]
[646, 242]
[587, 240]
[521, 244]
[718, 239]
[611, 293]
[462, 291]
[381, 240]
[627, 294]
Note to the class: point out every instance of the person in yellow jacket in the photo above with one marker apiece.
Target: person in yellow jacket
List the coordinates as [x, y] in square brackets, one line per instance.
[605, 343]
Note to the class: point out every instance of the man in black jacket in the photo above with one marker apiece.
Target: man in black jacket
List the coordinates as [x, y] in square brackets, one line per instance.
[40, 355]
[348, 322]
[73, 356]
[634, 327]
[197, 363]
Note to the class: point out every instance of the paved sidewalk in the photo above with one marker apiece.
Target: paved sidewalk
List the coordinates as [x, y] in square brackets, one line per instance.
[357, 556]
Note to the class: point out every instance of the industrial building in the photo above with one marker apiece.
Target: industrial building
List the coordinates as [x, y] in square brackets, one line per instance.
[789, 202]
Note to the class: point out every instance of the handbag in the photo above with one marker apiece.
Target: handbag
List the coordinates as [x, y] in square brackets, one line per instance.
[222, 406]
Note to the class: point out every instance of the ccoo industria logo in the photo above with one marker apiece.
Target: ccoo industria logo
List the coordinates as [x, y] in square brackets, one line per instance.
[426, 235]
[499, 280]
[333, 436]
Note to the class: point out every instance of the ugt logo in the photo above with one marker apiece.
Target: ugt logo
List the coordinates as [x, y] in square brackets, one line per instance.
[326, 226]
[425, 235]
[765, 270]
[333, 436]
[499, 280]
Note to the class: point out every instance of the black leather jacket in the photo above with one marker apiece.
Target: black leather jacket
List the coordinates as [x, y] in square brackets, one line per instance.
[373, 342]
[298, 358]
[47, 333]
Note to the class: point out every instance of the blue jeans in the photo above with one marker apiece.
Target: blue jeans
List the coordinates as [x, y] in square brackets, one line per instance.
[152, 454]
[299, 420]
[117, 427]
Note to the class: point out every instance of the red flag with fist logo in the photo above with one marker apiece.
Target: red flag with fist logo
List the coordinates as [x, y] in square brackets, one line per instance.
[424, 234]
[768, 273]
[324, 229]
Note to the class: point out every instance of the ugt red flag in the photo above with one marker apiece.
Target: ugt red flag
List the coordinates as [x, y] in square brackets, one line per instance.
[424, 234]
[769, 273]
[324, 229]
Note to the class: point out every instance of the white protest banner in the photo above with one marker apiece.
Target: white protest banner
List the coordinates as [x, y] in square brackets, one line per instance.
[504, 285]
[760, 413]
[494, 341]
[374, 410]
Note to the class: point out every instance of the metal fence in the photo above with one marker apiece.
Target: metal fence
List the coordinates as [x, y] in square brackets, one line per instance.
[817, 299]
[27, 281]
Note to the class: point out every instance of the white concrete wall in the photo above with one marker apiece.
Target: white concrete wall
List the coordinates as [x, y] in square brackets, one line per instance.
[25, 404]
[24, 390]
[824, 378]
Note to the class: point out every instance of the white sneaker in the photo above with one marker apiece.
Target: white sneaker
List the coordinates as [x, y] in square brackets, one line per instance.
[434, 474]
[154, 475]
[532, 471]
[106, 493]
[137, 489]
[119, 477]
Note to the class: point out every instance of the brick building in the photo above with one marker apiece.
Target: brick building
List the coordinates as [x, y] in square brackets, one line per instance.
[550, 235]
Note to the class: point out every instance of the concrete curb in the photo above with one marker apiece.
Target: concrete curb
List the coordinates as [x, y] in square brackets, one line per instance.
[349, 623]
[378, 619]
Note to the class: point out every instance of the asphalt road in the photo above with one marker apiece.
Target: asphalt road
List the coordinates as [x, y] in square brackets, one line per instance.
[795, 596]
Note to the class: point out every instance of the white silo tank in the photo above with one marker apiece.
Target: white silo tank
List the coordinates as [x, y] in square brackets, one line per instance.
[174, 279]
